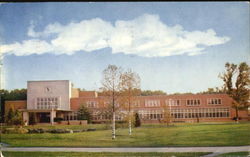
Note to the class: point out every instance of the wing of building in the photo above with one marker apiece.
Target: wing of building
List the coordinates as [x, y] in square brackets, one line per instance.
[58, 98]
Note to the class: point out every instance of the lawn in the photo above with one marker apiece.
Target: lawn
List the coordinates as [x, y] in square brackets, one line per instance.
[235, 154]
[102, 154]
[146, 136]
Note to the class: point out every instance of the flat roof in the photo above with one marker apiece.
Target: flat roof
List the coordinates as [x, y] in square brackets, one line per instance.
[47, 80]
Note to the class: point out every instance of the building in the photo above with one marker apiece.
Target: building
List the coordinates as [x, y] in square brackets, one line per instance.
[49, 99]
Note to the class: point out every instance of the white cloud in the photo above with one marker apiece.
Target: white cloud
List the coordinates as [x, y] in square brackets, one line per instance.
[145, 36]
[28, 47]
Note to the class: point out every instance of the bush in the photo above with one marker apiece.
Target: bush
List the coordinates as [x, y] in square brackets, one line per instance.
[15, 131]
[58, 119]
[39, 130]
[59, 131]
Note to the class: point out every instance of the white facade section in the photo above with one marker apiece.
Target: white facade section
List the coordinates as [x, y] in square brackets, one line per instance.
[59, 91]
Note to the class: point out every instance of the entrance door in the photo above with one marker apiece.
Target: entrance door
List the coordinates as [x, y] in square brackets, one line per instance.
[44, 117]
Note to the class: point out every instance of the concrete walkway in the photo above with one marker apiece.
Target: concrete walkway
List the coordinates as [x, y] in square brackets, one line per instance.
[215, 150]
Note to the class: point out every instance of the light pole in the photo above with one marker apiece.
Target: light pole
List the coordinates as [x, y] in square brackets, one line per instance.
[170, 104]
[52, 113]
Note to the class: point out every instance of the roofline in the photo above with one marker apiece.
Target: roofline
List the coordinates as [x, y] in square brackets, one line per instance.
[47, 80]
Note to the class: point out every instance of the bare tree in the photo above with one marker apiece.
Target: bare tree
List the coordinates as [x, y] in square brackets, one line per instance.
[167, 118]
[130, 86]
[111, 86]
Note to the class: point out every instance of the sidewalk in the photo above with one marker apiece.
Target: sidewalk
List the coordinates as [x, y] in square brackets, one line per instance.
[216, 150]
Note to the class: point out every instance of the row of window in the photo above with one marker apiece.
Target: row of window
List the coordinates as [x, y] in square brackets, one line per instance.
[47, 102]
[152, 103]
[214, 101]
[157, 103]
[159, 114]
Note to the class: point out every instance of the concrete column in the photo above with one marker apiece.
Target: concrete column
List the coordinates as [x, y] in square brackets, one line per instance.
[26, 118]
[52, 116]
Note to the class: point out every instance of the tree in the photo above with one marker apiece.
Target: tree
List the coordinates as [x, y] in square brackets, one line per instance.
[17, 120]
[149, 92]
[14, 117]
[111, 86]
[167, 118]
[137, 120]
[215, 90]
[10, 116]
[130, 82]
[239, 88]
[16, 94]
[84, 114]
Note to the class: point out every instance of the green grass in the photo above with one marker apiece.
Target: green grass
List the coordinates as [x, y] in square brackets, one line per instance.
[235, 154]
[147, 136]
[101, 154]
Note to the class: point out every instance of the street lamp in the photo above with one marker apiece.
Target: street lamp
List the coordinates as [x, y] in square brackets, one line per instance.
[170, 104]
[52, 112]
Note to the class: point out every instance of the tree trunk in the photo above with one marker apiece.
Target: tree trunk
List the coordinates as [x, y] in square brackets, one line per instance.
[113, 126]
[237, 114]
[130, 128]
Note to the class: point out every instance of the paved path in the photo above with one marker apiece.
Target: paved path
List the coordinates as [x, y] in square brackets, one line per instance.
[215, 150]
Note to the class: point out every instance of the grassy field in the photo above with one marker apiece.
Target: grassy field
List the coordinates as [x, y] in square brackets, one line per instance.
[146, 136]
[102, 154]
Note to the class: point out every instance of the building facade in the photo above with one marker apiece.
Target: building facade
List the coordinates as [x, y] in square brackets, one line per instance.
[49, 99]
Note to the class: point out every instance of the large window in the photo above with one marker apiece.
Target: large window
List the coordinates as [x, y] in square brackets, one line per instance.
[136, 103]
[193, 102]
[152, 103]
[92, 104]
[173, 102]
[214, 101]
[201, 113]
[47, 102]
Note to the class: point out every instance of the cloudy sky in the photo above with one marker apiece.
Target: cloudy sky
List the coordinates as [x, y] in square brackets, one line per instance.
[173, 46]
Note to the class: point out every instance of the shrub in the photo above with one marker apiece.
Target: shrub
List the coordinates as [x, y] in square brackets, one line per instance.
[39, 130]
[58, 119]
[15, 131]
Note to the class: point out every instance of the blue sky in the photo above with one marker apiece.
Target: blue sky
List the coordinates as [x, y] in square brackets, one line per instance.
[173, 46]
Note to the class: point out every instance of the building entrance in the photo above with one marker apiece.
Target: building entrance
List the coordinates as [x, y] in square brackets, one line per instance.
[44, 117]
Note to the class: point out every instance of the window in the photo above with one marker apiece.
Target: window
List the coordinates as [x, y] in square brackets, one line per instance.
[193, 102]
[214, 101]
[173, 102]
[92, 104]
[136, 103]
[152, 103]
[47, 103]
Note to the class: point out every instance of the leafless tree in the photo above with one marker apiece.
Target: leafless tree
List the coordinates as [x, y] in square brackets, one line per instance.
[130, 86]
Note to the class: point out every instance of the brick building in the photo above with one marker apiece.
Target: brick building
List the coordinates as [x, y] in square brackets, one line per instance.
[50, 99]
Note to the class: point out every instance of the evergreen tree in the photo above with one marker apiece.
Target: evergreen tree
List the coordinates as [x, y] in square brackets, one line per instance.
[137, 120]
[10, 116]
[84, 114]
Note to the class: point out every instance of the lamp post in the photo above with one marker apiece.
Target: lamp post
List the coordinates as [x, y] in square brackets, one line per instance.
[52, 113]
[170, 104]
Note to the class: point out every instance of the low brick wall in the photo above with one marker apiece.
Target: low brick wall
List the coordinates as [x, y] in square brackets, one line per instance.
[73, 122]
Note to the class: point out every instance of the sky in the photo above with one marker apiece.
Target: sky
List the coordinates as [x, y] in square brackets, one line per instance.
[173, 46]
